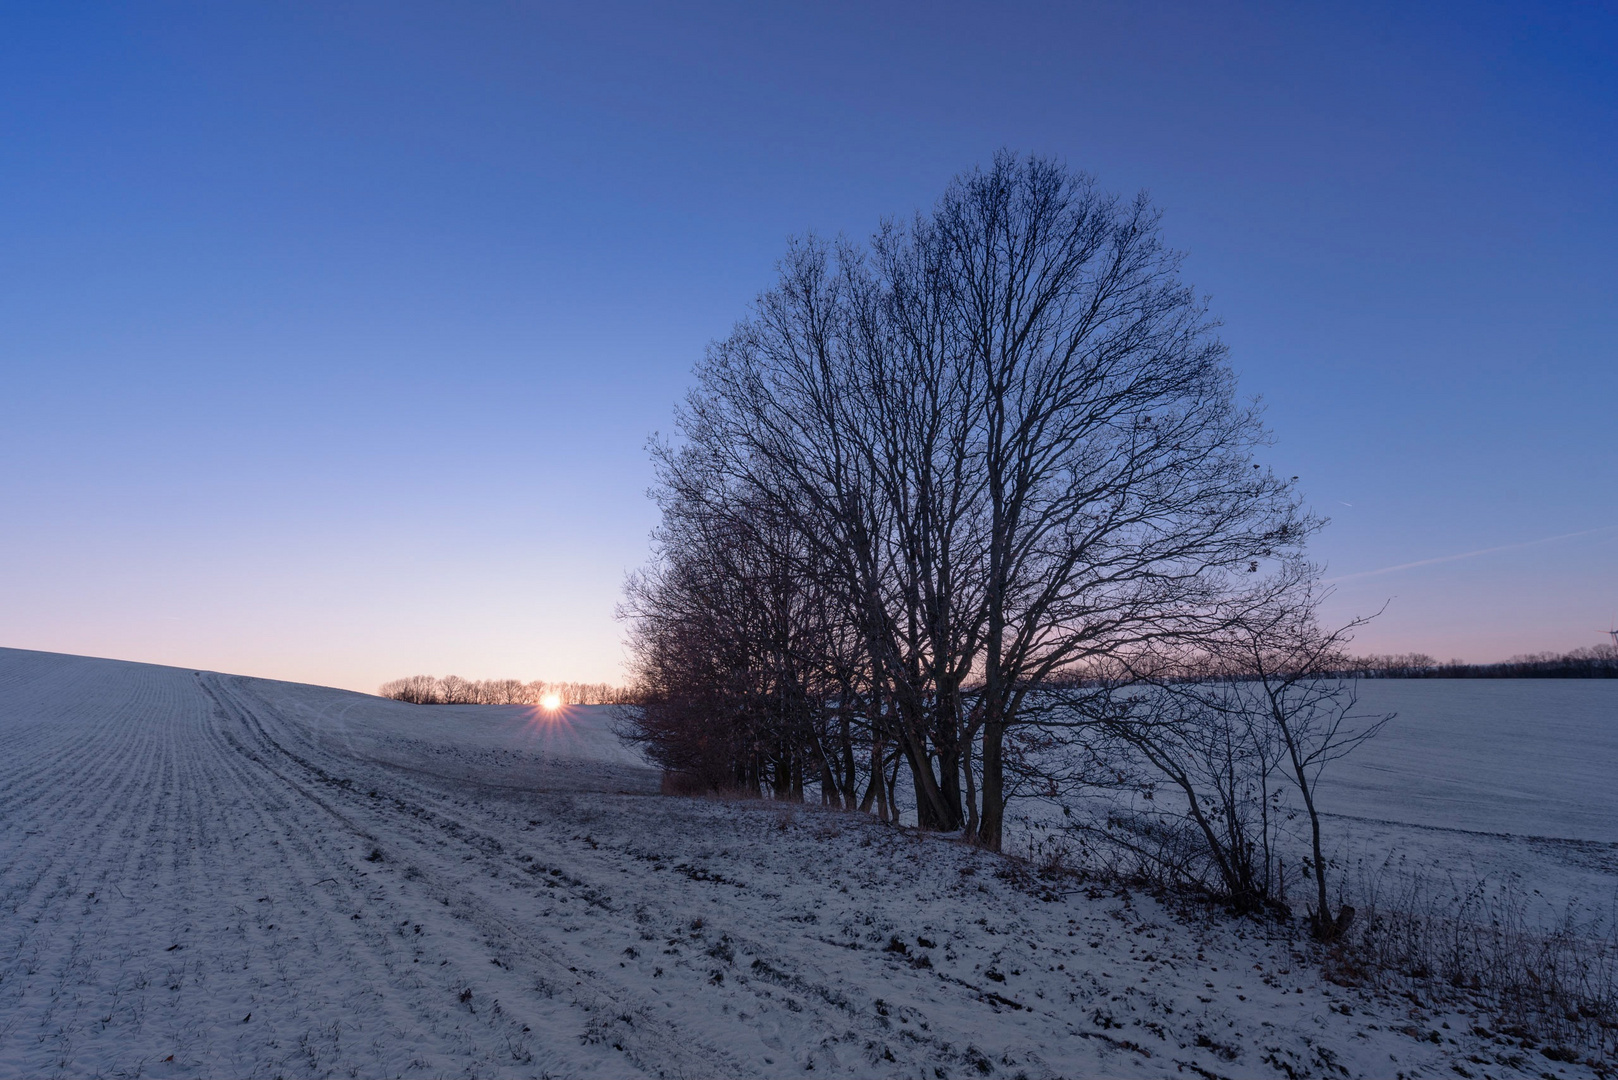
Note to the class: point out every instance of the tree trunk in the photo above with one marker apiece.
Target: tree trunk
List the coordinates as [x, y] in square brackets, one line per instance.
[930, 812]
[1326, 927]
[991, 825]
[873, 790]
[972, 821]
[933, 811]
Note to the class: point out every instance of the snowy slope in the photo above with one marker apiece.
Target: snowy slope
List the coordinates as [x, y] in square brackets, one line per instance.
[203, 874]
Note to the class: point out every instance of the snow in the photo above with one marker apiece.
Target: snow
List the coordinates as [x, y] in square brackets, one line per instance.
[204, 874]
[1477, 784]
[1504, 781]
[1527, 757]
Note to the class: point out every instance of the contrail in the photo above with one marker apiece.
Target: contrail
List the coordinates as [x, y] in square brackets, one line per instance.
[1468, 554]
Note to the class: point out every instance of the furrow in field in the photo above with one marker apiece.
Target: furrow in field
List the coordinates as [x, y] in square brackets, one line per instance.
[328, 848]
[823, 1005]
[455, 867]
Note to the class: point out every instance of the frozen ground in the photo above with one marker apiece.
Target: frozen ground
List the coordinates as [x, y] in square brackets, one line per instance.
[203, 874]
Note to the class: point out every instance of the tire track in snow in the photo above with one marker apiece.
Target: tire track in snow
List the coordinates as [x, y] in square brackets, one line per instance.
[137, 843]
[816, 1002]
[420, 827]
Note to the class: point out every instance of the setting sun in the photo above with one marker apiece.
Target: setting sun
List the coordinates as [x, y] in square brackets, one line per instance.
[551, 702]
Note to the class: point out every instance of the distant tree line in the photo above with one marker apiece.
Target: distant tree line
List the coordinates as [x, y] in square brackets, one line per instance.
[951, 518]
[1594, 662]
[454, 690]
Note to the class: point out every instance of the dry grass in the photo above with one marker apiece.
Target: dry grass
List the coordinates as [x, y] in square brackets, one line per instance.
[1551, 980]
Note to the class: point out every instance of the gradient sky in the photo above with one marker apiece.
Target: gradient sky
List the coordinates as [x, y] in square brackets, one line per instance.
[331, 335]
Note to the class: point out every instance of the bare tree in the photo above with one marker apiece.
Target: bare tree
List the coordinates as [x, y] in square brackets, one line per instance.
[743, 678]
[1312, 711]
[417, 689]
[1004, 442]
[1199, 764]
[1229, 718]
[1122, 491]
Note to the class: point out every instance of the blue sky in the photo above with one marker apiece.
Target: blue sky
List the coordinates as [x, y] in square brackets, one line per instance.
[331, 335]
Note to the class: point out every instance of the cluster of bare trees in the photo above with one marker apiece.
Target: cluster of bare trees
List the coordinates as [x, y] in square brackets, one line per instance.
[1592, 662]
[454, 690]
[931, 479]
[1396, 665]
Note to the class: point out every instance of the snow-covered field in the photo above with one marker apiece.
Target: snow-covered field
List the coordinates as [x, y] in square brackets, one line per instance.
[1477, 783]
[204, 874]
[1528, 757]
[1508, 780]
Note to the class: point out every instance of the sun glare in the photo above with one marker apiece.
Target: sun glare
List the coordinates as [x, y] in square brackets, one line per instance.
[551, 702]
